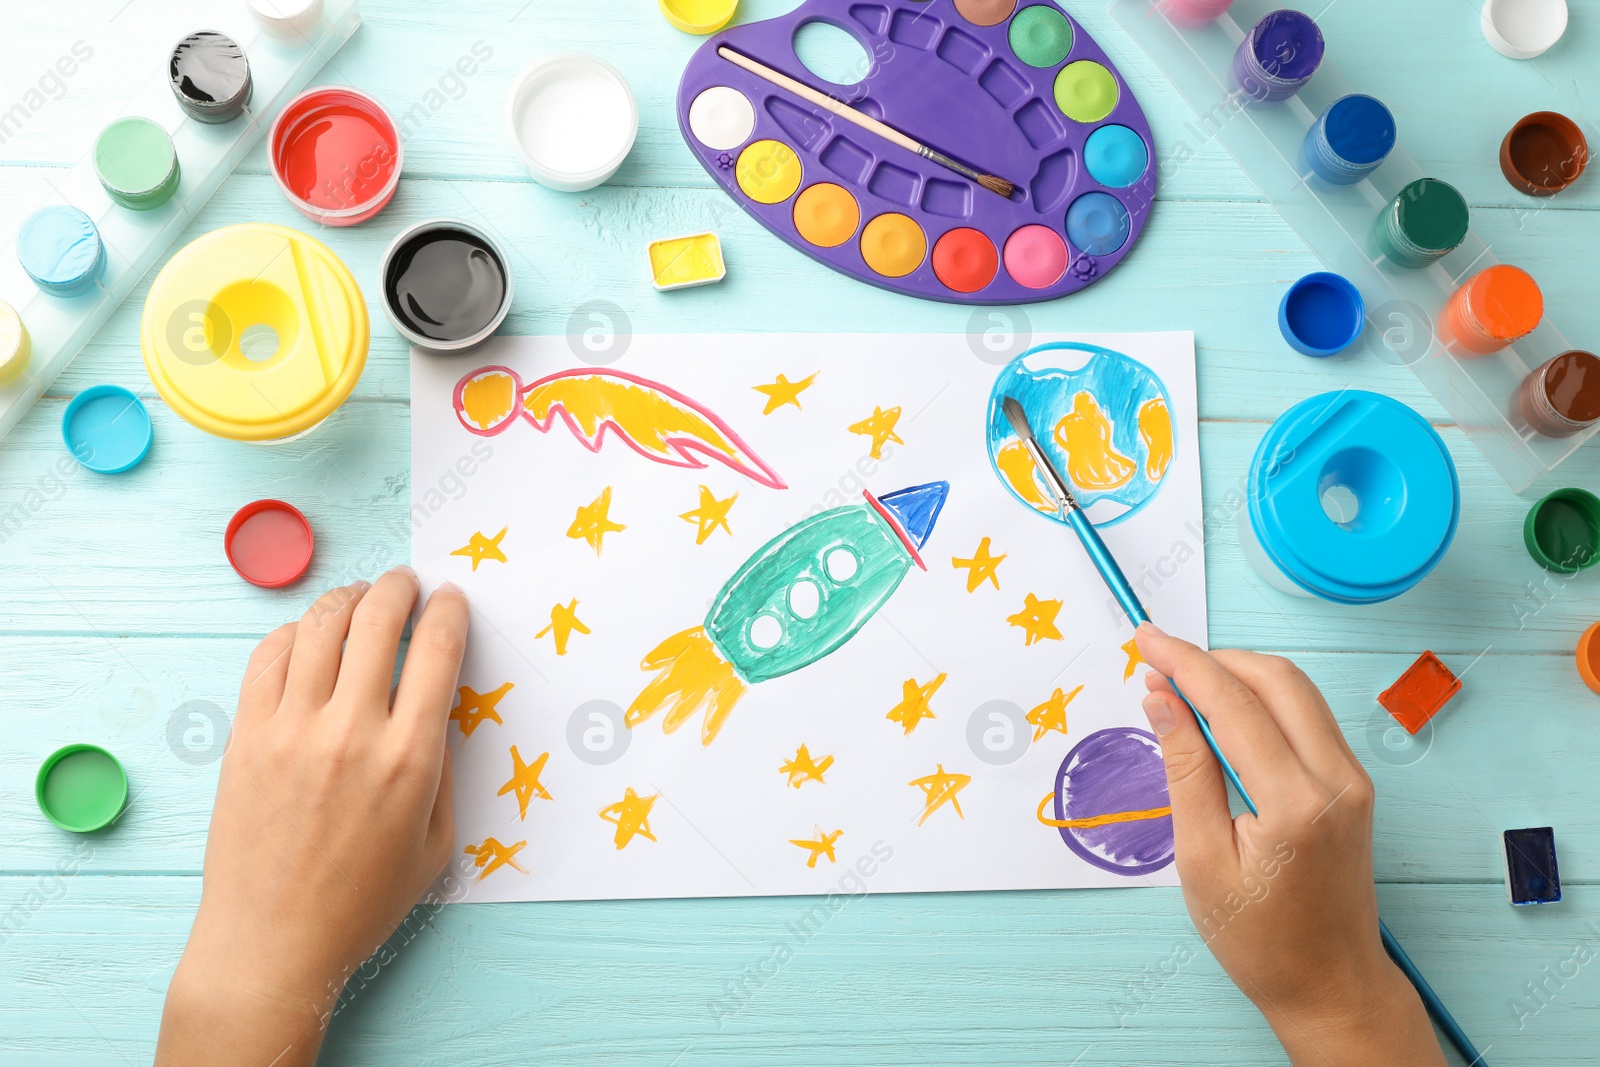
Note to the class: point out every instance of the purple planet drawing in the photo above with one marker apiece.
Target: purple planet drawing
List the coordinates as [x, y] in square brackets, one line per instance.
[1111, 803]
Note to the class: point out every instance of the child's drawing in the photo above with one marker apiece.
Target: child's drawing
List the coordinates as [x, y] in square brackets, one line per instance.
[473, 707]
[1102, 418]
[913, 706]
[820, 846]
[802, 768]
[1037, 620]
[593, 521]
[783, 391]
[981, 567]
[938, 789]
[631, 817]
[844, 712]
[653, 419]
[1111, 803]
[479, 548]
[799, 597]
[710, 515]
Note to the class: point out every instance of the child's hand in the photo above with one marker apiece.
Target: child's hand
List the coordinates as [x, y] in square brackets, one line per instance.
[332, 817]
[1285, 901]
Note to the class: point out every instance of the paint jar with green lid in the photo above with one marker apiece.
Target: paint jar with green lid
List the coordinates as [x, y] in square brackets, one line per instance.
[1562, 531]
[1422, 224]
[137, 164]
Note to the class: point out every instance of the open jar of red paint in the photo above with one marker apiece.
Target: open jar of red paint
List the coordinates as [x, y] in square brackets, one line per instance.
[1562, 396]
[336, 154]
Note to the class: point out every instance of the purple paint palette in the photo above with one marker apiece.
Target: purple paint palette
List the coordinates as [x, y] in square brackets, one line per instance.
[1008, 87]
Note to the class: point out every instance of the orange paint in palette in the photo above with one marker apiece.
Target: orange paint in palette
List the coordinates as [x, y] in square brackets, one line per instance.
[899, 179]
[1416, 697]
[336, 155]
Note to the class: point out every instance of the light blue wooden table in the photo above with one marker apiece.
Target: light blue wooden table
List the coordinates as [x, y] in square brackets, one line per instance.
[119, 610]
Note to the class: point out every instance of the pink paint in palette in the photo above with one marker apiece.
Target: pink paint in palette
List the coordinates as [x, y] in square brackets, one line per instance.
[1006, 87]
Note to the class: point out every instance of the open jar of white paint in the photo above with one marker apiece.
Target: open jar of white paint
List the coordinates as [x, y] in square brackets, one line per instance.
[573, 120]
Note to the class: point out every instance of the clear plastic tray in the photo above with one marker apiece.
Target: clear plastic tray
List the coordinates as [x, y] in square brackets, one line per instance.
[58, 327]
[1403, 306]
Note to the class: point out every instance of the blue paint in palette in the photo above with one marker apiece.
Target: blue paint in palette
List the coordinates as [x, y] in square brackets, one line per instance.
[1350, 140]
[1115, 156]
[1097, 224]
[61, 250]
[1531, 873]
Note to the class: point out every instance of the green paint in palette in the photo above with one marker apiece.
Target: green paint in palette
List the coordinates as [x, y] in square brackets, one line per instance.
[137, 164]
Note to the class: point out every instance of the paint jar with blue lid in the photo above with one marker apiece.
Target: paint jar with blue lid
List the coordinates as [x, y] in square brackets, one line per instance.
[1353, 498]
[60, 248]
[1350, 140]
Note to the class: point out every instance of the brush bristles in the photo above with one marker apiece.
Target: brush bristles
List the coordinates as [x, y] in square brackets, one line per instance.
[997, 185]
[1017, 417]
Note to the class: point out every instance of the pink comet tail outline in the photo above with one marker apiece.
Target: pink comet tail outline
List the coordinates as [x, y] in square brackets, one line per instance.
[688, 450]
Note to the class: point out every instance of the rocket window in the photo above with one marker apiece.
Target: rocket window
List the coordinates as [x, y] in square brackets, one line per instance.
[841, 564]
[765, 632]
[804, 598]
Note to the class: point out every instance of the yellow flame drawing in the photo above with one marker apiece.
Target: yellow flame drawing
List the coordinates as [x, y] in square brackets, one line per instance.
[693, 676]
[1084, 434]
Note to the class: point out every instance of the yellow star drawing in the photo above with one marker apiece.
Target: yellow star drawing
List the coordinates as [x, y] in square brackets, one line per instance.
[980, 567]
[479, 548]
[593, 521]
[913, 706]
[880, 427]
[1037, 619]
[472, 707]
[1131, 647]
[1052, 714]
[783, 391]
[525, 781]
[803, 768]
[821, 846]
[491, 855]
[631, 817]
[709, 515]
[940, 788]
[563, 622]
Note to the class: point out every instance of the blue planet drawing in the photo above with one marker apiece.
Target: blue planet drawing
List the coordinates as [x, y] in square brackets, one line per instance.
[1111, 803]
[1102, 417]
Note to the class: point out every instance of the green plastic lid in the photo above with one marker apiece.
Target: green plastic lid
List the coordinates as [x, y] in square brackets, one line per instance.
[1562, 531]
[81, 788]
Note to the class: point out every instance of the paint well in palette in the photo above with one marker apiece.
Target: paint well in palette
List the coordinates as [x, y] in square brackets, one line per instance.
[1017, 91]
[722, 118]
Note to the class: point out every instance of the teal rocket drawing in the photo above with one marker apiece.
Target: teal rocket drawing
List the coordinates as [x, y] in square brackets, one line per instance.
[797, 599]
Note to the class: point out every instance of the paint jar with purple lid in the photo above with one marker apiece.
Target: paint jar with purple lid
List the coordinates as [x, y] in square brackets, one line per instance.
[1278, 56]
[1350, 140]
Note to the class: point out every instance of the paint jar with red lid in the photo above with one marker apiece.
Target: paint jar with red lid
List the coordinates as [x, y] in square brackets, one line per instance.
[1562, 396]
[336, 154]
[1500, 305]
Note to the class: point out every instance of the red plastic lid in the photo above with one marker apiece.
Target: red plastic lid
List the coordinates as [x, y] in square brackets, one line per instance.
[269, 543]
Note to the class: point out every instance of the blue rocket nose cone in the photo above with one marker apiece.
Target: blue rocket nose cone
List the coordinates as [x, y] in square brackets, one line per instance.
[916, 508]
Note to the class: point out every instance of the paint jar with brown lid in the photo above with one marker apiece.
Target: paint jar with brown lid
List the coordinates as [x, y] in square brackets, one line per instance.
[1562, 396]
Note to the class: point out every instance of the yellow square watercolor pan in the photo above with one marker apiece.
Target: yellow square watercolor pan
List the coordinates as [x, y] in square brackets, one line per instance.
[682, 262]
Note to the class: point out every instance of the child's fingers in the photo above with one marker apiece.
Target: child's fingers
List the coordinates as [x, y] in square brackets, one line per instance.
[262, 689]
[441, 821]
[1202, 825]
[374, 644]
[1299, 710]
[1246, 731]
[433, 665]
[318, 639]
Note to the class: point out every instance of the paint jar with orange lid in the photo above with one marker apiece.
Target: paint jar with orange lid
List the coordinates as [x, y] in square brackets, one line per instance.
[1498, 307]
[1562, 396]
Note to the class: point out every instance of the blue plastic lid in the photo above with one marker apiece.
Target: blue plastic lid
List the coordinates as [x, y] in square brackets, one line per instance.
[1097, 224]
[107, 429]
[1115, 156]
[1322, 314]
[1386, 474]
[60, 248]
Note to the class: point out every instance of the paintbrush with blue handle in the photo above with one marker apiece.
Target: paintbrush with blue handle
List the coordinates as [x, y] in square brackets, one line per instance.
[1104, 562]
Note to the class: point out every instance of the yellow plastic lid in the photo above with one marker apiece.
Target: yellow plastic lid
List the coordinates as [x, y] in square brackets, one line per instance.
[255, 332]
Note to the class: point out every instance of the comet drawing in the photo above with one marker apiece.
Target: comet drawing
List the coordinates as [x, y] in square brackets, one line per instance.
[797, 599]
[654, 420]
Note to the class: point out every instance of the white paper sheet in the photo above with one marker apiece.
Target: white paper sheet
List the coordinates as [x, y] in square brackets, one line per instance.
[725, 819]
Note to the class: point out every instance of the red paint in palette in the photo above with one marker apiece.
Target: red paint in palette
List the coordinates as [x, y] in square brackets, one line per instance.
[965, 260]
[336, 155]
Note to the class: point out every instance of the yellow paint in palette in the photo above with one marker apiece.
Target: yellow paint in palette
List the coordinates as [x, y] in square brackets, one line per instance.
[682, 262]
